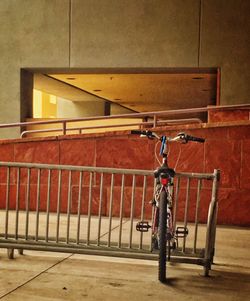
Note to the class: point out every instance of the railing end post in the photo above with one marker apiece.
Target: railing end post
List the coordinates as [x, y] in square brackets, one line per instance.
[155, 121]
[217, 174]
[64, 127]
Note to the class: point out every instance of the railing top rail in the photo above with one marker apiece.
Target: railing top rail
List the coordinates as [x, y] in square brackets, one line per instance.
[171, 121]
[208, 176]
[77, 168]
[195, 175]
[133, 115]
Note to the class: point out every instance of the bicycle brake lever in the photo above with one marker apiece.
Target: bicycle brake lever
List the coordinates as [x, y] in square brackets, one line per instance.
[183, 137]
[150, 135]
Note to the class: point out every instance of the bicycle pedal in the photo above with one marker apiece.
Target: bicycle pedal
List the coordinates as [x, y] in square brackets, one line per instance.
[181, 232]
[142, 226]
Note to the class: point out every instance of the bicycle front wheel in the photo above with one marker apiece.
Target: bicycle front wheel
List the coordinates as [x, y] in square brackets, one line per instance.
[162, 235]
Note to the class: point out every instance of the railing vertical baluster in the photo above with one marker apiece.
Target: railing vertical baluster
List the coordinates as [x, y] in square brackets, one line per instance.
[132, 212]
[69, 207]
[79, 208]
[64, 127]
[155, 121]
[58, 205]
[48, 206]
[197, 214]
[121, 211]
[216, 179]
[142, 207]
[100, 211]
[38, 203]
[110, 208]
[89, 206]
[186, 213]
[7, 203]
[176, 202]
[27, 205]
[17, 202]
[152, 219]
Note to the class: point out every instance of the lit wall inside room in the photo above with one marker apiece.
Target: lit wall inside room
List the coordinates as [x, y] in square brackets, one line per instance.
[78, 109]
[50, 106]
[44, 105]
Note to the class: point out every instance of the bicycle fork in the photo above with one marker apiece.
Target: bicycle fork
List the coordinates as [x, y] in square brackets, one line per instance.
[172, 235]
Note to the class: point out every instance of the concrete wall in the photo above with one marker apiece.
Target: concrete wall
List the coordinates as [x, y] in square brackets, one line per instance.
[225, 42]
[116, 110]
[32, 34]
[119, 33]
[77, 109]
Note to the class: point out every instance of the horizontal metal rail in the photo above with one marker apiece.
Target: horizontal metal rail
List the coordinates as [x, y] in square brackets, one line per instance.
[180, 258]
[78, 168]
[155, 115]
[208, 176]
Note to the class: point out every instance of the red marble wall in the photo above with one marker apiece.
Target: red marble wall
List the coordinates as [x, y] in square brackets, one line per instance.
[226, 148]
[228, 115]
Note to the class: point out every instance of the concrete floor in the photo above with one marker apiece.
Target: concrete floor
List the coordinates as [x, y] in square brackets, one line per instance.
[55, 276]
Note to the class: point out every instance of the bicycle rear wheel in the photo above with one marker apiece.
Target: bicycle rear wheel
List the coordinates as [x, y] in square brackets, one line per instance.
[162, 230]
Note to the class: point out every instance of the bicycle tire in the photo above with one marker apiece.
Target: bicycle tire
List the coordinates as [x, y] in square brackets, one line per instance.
[162, 235]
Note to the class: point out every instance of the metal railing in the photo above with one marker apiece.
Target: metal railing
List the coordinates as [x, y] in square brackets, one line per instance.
[154, 119]
[90, 210]
[94, 127]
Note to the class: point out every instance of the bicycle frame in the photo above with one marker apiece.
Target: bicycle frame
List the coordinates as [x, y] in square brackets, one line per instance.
[164, 181]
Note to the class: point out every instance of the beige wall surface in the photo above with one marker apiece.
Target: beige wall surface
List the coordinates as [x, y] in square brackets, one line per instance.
[225, 42]
[78, 109]
[32, 34]
[123, 33]
[135, 33]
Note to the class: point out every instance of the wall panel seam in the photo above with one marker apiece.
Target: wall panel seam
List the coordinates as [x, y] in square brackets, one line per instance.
[70, 28]
[199, 32]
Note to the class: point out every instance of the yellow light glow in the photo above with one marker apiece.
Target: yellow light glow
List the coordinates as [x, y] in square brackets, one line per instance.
[44, 105]
[37, 104]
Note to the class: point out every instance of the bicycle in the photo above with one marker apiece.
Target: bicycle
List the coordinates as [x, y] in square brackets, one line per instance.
[164, 236]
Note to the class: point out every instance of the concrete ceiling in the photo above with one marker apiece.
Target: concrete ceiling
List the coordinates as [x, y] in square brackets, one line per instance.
[140, 92]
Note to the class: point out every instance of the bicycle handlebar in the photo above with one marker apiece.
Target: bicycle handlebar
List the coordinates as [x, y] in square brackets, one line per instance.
[183, 137]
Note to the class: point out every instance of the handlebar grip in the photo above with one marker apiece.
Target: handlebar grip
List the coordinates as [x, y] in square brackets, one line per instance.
[196, 139]
[201, 140]
[136, 132]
